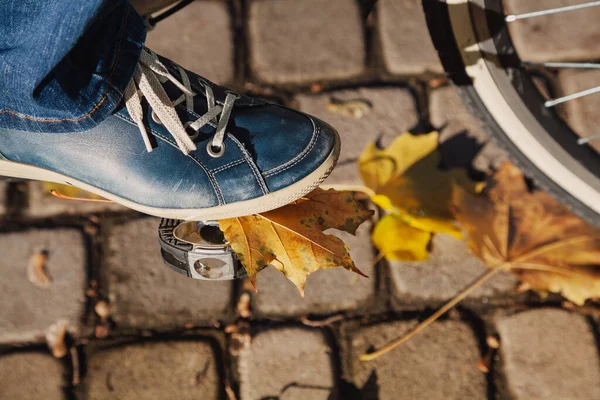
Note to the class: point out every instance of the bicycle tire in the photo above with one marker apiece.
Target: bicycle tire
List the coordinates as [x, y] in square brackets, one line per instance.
[440, 22]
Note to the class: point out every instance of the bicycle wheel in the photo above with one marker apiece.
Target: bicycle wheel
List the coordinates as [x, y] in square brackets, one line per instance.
[498, 86]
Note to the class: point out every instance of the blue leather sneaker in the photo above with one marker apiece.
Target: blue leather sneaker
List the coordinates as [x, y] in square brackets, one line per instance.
[182, 147]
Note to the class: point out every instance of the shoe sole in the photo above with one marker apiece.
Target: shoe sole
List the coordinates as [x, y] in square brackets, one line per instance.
[265, 203]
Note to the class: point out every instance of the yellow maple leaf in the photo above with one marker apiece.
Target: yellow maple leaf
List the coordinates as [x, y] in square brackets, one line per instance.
[70, 192]
[410, 185]
[292, 237]
[531, 234]
[399, 241]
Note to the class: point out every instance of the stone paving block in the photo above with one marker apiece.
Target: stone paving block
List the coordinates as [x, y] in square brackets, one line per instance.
[3, 199]
[42, 204]
[300, 41]
[389, 111]
[404, 38]
[31, 376]
[581, 114]
[438, 363]
[567, 36]
[449, 269]
[290, 363]
[26, 310]
[548, 354]
[327, 291]
[154, 370]
[146, 294]
[462, 138]
[200, 38]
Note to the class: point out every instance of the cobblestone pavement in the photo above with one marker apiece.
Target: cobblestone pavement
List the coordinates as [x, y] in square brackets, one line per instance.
[137, 330]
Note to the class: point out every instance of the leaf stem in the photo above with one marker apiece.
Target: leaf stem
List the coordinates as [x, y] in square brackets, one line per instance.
[350, 188]
[379, 257]
[455, 300]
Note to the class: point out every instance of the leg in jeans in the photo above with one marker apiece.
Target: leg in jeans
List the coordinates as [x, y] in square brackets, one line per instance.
[65, 63]
[83, 102]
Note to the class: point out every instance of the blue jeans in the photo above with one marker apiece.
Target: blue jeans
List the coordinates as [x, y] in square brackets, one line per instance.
[65, 63]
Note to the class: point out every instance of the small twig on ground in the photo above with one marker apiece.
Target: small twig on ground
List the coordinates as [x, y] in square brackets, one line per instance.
[75, 363]
[230, 393]
[465, 292]
[324, 322]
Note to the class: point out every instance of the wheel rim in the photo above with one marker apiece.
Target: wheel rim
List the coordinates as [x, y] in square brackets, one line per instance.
[516, 104]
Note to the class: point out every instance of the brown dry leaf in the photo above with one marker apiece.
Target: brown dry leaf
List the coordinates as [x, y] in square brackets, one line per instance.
[102, 309]
[492, 341]
[37, 271]
[356, 108]
[102, 330]
[483, 364]
[316, 88]
[243, 305]
[437, 82]
[56, 336]
[538, 239]
[238, 342]
[292, 238]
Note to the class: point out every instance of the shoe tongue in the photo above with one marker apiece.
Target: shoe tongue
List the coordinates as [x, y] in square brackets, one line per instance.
[219, 91]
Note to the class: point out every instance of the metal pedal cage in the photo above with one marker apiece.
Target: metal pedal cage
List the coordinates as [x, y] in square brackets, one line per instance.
[198, 250]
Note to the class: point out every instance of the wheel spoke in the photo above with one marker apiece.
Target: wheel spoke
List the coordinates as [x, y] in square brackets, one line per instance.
[514, 17]
[562, 65]
[583, 93]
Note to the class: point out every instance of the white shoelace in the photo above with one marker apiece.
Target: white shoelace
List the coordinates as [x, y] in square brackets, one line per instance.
[147, 81]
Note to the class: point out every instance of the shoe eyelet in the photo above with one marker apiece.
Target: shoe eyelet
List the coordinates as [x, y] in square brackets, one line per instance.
[155, 118]
[215, 151]
[191, 133]
[236, 95]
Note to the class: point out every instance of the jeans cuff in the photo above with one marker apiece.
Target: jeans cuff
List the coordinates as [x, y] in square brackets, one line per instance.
[115, 45]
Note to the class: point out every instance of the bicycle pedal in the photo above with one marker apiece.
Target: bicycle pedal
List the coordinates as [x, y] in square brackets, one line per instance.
[198, 250]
